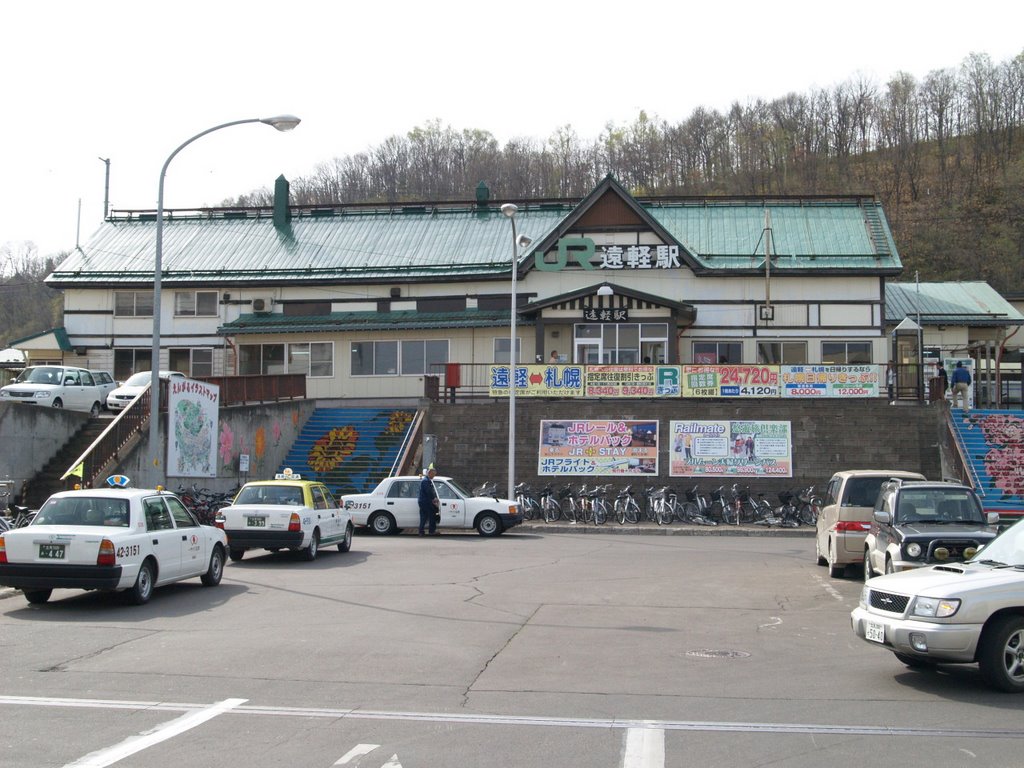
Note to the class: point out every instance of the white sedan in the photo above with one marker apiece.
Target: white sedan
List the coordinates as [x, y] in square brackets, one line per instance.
[116, 538]
[394, 504]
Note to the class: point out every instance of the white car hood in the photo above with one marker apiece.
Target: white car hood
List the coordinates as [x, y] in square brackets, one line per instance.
[949, 580]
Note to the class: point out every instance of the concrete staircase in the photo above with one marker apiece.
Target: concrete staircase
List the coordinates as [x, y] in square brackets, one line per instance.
[993, 444]
[47, 481]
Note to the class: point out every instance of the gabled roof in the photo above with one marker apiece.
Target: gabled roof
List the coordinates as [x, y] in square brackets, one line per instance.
[687, 313]
[60, 339]
[469, 241]
[955, 303]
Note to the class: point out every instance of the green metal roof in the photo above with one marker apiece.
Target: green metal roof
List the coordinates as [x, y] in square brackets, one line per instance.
[364, 321]
[451, 241]
[969, 303]
[60, 337]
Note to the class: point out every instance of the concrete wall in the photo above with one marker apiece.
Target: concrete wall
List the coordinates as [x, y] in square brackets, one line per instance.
[30, 436]
[472, 439]
[264, 432]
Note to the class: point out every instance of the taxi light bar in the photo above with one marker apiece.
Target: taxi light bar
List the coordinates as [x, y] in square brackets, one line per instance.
[294, 523]
[3, 550]
[119, 481]
[287, 475]
[106, 554]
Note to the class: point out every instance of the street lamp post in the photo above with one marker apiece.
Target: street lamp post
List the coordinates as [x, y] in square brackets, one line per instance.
[281, 123]
[520, 241]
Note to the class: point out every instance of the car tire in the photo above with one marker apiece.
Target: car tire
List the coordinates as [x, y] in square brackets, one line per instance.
[215, 571]
[383, 524]
[914, 662]
[817, 550]
[236, 554]
[142, 590]
[835, 570]
[58, 403]
[868, 573]
[94, 412]
[37, 596]
[488, 524]
[889, 567]
[346, 543]
[310, 550]
[1001, 654]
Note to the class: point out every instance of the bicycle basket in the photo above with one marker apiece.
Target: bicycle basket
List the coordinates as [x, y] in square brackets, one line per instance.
[691, 495]
[785, 497]
[565, 492]
[716, 495]
[744, 494]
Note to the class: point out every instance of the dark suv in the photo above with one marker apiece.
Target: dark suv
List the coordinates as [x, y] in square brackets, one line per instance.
[917, 523]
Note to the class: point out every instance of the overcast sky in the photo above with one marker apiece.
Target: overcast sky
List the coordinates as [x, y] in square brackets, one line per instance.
[130, 81]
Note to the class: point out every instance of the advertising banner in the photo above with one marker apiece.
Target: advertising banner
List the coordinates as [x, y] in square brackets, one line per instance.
[632, 381]
[537, 381]
[731, 448]
[580, 447]
[811, 381]
[730, 380]
[192, 419]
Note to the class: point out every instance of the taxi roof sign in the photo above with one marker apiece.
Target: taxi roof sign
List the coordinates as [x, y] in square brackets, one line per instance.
[287, 475]
[119, 481]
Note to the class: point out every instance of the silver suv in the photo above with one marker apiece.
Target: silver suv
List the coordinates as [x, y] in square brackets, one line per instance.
[917, 523]
[954, 613]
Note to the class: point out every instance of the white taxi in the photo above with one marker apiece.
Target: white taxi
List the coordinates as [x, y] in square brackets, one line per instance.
[394, 505]
[285, 513]
[116, 538]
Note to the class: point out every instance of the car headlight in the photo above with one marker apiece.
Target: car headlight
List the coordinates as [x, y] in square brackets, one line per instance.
[913, 550]
[42, 395]
[935, 608]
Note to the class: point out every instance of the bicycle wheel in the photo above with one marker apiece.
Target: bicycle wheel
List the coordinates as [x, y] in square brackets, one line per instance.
[632, 512]
[587, 512]
[664, 513]
[688, 512]
[600, 511]
[552, 510]
[620, 511]
[651, 511]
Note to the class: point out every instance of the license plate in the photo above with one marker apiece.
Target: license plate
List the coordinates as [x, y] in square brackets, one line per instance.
[51, 551]
[874, 632]
[256, 522]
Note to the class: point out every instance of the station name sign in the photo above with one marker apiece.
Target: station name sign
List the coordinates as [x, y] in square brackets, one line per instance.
[585, 253]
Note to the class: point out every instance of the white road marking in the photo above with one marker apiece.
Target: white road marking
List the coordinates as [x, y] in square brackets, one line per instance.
[392, 763]
[146, 739]
[829, 588]
[645, 748]
[357, 751]
[552, 722]
[776, 621]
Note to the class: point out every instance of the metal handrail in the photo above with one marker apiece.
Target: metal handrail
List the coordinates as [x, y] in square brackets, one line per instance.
[407, 444]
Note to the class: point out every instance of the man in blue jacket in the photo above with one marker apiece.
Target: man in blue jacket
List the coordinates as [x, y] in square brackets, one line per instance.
[429, 505]
[961, 381]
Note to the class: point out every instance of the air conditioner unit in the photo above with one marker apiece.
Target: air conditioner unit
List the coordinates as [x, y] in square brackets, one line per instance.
[261, 305]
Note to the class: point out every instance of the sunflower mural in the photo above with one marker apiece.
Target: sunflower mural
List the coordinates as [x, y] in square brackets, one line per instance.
[351, 449]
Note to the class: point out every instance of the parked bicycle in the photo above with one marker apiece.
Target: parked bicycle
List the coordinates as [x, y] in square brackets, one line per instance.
[550, 507]
[626, 508]
[529, 505]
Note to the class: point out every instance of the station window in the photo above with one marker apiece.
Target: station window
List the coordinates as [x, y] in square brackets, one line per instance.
[782, 352]
[501, 346]
[315, 358]
[394, 358]
[846, 352]
[129, 361]
[717, 352]
[133, 304]
[195, 304]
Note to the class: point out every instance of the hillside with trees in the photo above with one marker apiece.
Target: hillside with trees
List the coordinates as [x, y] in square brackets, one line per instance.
[943, 154]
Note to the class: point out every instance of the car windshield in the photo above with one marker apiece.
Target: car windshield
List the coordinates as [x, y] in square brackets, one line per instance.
[459, 488]
[137, 379]
[270, 494]
[41, 374]
[84, 510]
[1007, 548]
[939, 505]
[862, 491]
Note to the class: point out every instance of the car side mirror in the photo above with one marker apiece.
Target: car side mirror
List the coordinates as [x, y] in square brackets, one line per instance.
[992, 518]
[881, 516]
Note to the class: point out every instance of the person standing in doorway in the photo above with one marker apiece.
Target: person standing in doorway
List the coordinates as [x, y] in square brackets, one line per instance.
[553, 360]
[429, 504]
[890, 381]
[961, 386]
